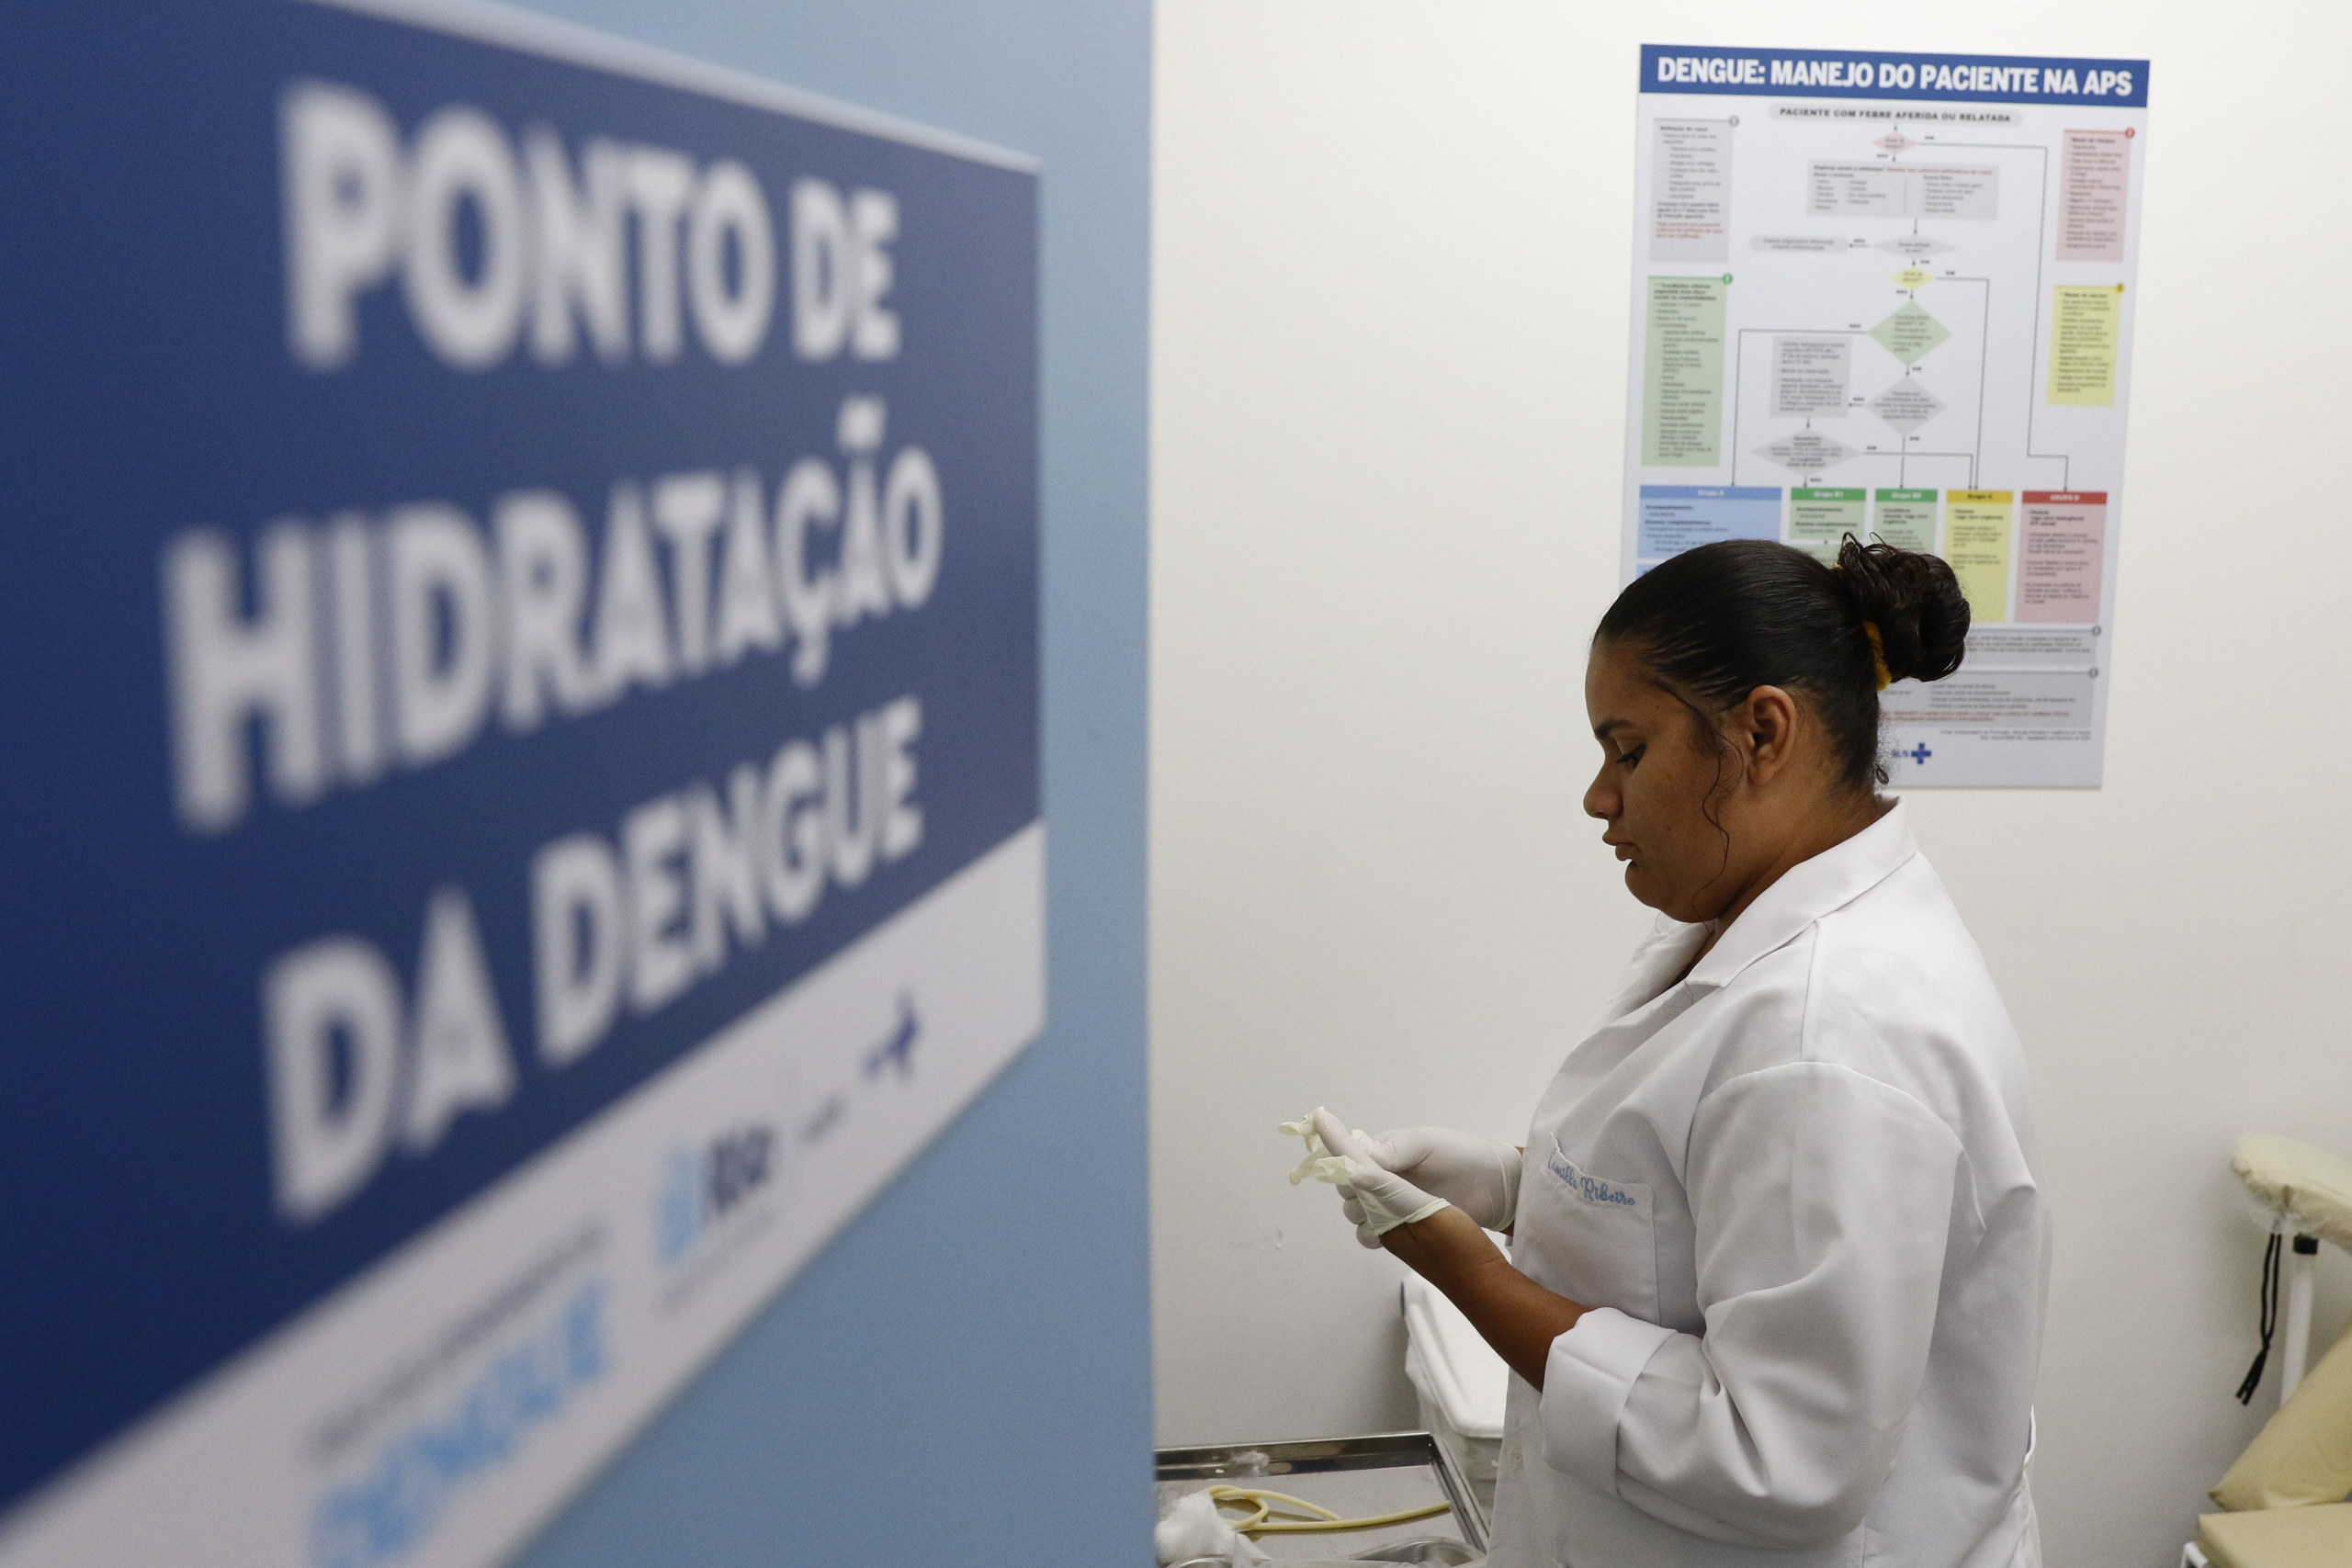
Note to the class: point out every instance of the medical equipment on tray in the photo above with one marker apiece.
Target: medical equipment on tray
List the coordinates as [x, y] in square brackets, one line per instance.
[1404, 1476]
[1430, 1548]
[1194, 1524]
[1306, 1517]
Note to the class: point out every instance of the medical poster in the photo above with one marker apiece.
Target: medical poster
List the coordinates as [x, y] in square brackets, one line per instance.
[518, 639]
[1891, 295]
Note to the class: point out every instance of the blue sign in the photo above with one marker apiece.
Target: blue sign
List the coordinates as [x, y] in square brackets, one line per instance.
[519, 553]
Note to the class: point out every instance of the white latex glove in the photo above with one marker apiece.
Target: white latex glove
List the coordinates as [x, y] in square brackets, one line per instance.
[1374, 1199]
[1477, 1176]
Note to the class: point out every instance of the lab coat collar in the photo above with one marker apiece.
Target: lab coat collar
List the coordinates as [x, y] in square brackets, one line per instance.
[1809, 890]
[1656, 965]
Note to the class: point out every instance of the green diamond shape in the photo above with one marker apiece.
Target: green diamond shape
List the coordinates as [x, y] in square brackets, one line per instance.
[1910, 333]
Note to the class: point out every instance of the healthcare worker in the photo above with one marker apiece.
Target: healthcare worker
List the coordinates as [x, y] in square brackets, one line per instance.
[1779, 1250]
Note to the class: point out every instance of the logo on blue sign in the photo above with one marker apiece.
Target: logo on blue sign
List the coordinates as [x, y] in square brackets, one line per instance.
[702, 1187]
[394, 1507]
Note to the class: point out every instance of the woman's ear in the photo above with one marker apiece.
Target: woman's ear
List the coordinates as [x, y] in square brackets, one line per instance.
[1769, 720]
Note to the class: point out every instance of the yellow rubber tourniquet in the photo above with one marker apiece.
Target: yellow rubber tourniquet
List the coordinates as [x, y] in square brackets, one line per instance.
[1320, 1520]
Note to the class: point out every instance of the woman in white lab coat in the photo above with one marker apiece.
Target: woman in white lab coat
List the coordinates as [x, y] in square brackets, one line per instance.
[1779, 1250]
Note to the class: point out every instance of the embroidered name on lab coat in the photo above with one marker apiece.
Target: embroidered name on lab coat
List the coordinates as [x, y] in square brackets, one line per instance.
[1591, 1189]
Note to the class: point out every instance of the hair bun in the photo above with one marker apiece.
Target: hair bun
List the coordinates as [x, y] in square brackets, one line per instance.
[1916, 602]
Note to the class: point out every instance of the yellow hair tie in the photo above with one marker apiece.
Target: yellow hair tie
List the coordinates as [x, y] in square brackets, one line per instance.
[1878, 643]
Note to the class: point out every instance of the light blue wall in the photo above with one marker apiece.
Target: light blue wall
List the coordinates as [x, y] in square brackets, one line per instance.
[965, 1376]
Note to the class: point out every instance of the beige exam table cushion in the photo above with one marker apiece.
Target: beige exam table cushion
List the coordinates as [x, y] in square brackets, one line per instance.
[2310, 1186]
[2303, 1453]
[2278, 1537]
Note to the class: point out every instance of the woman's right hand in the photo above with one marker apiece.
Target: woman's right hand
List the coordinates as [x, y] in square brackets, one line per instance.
[1477, 1176]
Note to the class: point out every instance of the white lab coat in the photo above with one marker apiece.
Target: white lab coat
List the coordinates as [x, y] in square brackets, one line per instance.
[1798, 1191]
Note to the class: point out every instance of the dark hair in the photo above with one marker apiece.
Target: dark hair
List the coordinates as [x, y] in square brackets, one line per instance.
[1714, 623]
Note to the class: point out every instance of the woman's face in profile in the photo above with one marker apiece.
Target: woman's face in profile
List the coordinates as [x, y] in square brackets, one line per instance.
[1657, 771]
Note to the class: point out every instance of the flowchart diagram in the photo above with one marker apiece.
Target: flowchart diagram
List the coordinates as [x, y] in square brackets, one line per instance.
[1890, 296]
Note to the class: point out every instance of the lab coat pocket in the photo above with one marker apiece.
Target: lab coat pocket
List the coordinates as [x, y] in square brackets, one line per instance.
[1588, 1237]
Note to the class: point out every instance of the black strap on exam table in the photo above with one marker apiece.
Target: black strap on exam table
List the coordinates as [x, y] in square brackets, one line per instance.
[2269, 1316]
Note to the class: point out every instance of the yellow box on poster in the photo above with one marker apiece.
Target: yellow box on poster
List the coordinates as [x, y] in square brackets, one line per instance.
[1979, 528]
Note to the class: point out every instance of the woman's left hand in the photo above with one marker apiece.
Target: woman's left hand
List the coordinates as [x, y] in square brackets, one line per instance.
[1518, 1317]
[1374, 1198]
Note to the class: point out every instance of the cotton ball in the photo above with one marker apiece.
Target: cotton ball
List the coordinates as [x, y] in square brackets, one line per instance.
[1192, 1527]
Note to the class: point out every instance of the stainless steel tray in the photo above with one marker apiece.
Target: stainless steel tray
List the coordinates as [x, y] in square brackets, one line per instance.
[1355, 1477]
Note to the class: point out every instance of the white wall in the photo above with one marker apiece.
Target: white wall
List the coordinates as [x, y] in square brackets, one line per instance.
[1391, 269]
